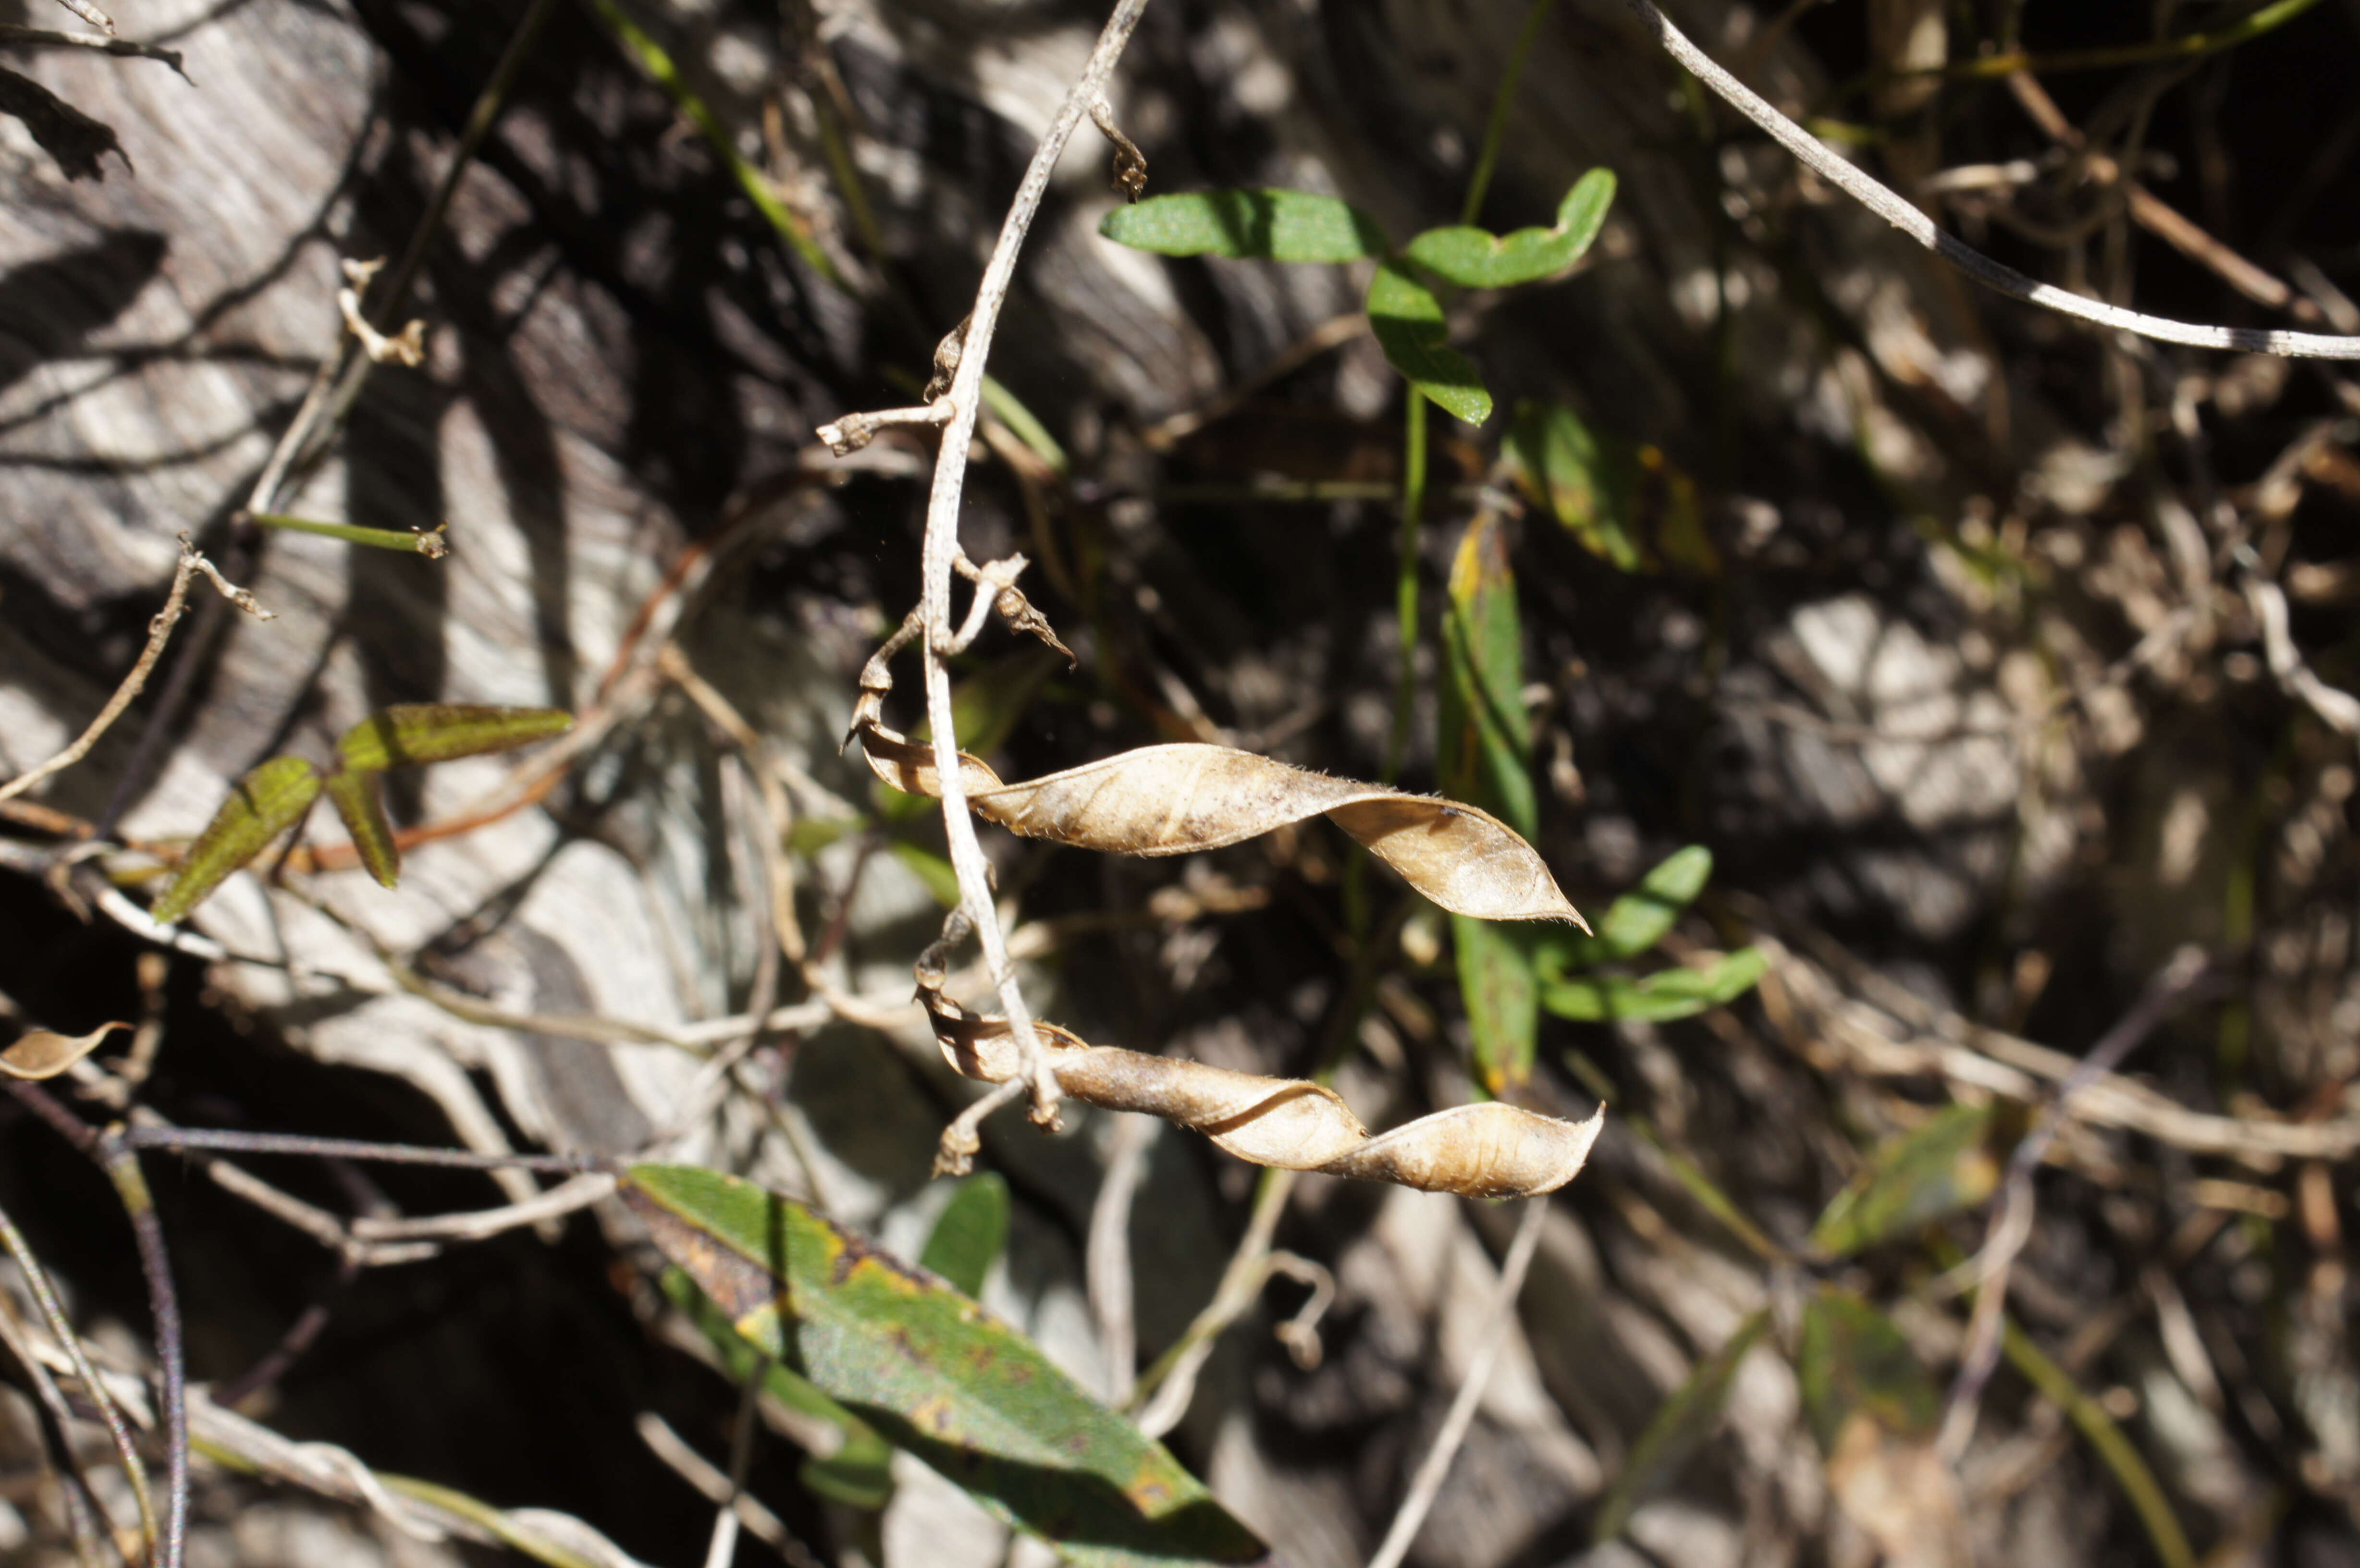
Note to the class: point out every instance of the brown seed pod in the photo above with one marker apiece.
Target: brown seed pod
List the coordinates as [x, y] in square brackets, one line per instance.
[1485, 1150]
[1177, 800]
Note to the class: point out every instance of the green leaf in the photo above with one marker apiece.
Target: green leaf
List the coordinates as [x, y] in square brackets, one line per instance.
[1944, 1167]
[1659, 998]
[1623, 501]
[1853, 1361]
[939, 876]
[438, 731]
[971, 1232]
[1484, 741]
[936, 1374]
[1641, 917]
[1486, 736]
[1559, 464]
[1407, 321]
[261, 806]
[849, 1461]
[1495, 981]
[360, 798]
[1474, 258]
[1263, 226]
[1678, 1427]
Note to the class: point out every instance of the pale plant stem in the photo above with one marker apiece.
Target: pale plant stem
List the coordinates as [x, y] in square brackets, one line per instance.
[942, 545]
[2011, 1226]
[1861, 187]
[1107, 1269]
[159, 632]
[1430, 1473]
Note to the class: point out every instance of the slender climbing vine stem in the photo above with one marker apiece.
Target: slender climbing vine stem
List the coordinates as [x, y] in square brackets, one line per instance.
[942, 544]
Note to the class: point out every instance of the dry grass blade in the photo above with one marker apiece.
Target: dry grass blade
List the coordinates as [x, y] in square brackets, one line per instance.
[1485, 1150]
[1177, 800]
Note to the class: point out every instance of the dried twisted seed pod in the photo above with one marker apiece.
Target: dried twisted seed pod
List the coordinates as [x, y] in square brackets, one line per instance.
[1484, 1150]
[1175, 800]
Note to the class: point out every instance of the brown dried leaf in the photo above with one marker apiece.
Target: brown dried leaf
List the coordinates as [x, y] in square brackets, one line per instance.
[1486, 1150]
[42, 1054]
[1177, 800]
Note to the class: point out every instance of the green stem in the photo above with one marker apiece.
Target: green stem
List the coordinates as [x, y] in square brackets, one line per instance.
[654, 59]
[1406, 582]
[1496, 131]
[416, 541]
[2131, 1473]
[2189, 46]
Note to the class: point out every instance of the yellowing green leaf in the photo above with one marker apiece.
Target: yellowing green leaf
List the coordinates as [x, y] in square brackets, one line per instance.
[261, 806]
[849, 1461]
[1486, 736]
[1659, 998]
[1623, 501]
[936, 1374]
[1474, 258]
[1942, 1168]
[1853, 1361]
[438, 731]
[1407, 322]
[1557, 463]
[1265, 225]
[1678, 1427]
[970, 1233]
[359, 800]
[1483, 745]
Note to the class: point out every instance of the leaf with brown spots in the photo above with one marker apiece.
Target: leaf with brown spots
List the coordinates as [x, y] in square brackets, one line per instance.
[922, 1363]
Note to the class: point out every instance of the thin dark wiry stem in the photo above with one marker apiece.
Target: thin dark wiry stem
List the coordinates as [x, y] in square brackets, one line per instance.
[122, 1168]
[53, 1313]
[192, 1138]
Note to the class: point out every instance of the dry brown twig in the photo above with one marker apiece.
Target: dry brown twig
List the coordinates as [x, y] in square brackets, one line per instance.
[159, 632]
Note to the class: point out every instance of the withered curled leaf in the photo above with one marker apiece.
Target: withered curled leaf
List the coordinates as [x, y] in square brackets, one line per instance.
[1488, 1150]
[1177, 800]
[42, 1053]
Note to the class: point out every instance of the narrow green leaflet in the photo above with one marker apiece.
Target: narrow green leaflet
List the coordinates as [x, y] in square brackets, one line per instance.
[1659, 998]
[438, 731]
[1407, 321]
[1643, 917]
[1263, 226]
[1678, 1429]
[971, 1232]
[1852, 1361]
[261, 806]
[1474, 258]
[1946, 1166]
[1486, 736]
[934, 1374]
[1503, 1016]
[849, 1461]
[359, 800]
[1557, 462]
[1485, 739]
